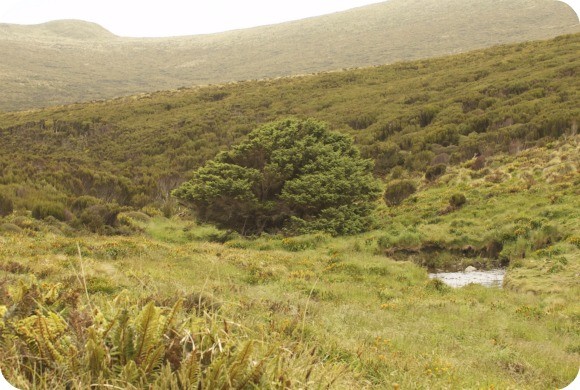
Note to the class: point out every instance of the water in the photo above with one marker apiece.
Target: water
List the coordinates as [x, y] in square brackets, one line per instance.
[491, 278]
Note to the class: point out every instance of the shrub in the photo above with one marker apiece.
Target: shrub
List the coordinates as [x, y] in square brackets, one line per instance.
[398, 190]
[547, 235]
[361, 122]
[435, 171]
[419, 161]
[574, 240]
[304, 242]
[406, 239]
[82, 202]
[457, 200]
[42, 210]
[100, 216]
[426, 116]
[437, 285]
[6, 205]
[397, 172]
[9, 228]
[478, 163]
[289, 174]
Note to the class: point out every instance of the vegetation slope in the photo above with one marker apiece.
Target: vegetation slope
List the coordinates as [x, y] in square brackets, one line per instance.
[317, 311]
[410, 115]
[166, 302]
[71, 61]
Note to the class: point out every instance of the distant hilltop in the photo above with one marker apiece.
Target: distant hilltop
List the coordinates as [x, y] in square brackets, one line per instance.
[70, 60]
[69, 28]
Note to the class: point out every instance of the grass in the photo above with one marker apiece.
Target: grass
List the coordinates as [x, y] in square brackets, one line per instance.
[158, 300]
[352, 316]
[70, 61]
[379, 322]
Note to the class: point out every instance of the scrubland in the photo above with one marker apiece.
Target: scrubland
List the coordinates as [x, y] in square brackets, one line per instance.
[176, 303]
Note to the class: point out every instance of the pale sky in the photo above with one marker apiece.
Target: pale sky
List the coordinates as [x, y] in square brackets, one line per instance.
[145, 18]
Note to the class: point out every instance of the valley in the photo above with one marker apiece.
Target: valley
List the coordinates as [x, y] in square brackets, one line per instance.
[109, 280]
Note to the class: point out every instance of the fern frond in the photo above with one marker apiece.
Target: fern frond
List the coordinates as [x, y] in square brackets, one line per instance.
[130, 372]
[189, 372]
[49, 329]
[240, 363]
[95, 353]
[122, 339]
[146, 326]
[259, 369]
[153, 359]
[171, 316]
[213, 373]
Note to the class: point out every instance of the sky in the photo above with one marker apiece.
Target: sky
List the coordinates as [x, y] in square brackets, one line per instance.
[146, 18]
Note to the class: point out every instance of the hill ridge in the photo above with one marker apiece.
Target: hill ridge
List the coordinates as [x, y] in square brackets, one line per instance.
[50, 70]
[75, 29]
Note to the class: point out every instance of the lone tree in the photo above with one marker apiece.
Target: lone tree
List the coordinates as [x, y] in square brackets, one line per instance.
[293, 175]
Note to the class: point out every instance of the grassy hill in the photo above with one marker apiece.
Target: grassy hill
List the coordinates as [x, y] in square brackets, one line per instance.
[406, 116]
[71, 61]
[105, 280]
[291, 312]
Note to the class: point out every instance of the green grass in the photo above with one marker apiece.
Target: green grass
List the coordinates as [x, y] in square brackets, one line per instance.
[353, 317]
[312, 310]
[377, 321]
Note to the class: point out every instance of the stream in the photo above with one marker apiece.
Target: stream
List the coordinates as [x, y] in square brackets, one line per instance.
[491, 278]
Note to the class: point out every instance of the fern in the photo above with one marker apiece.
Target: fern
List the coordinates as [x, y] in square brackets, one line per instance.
[147, 329]
[239, 364]
[129, 347]
[171, 317]
[123, 347]
[95, 353]
[43, 337]
[189, 372]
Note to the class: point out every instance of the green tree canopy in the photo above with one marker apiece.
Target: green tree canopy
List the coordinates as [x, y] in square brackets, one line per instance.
[291, 174]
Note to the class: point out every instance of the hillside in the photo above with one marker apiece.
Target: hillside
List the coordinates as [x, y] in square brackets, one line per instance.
[106, 281]
[406, 115]
[72, 61]
[313, 309]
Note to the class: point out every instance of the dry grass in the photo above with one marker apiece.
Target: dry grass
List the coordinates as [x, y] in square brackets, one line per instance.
[68, 61]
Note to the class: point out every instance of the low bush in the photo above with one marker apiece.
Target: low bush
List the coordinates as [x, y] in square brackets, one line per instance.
[397, 172]
[45, 209]
[9, 228]
[545, 236]
[406, 239]
[398, 190]
[6, 205]
[304, 242]
[435, 171]
[457, 200]
[84, 201]
[97, 217]
[478, 163]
